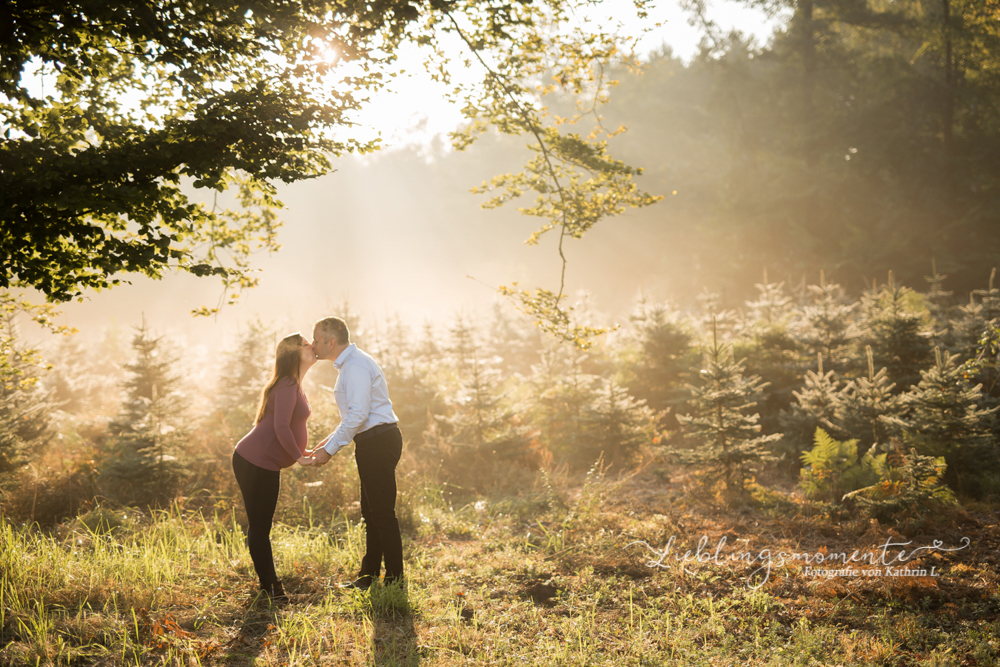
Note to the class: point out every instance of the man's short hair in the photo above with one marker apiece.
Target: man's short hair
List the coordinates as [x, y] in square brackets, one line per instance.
[337, 328]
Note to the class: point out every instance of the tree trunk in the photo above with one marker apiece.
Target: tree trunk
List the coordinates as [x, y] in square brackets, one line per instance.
[948, 112]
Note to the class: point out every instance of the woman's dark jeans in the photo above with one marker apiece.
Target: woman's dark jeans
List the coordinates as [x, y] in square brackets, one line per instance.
[260, 496]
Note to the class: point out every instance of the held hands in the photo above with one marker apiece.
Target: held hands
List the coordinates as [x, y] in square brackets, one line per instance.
[316, 457]
[321, 457]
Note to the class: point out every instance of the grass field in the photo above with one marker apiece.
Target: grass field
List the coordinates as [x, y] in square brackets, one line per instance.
[533, 579]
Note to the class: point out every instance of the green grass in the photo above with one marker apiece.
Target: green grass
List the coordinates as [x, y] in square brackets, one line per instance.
[509, 581]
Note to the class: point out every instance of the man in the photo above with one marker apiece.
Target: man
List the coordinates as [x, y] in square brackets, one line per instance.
[366, 416]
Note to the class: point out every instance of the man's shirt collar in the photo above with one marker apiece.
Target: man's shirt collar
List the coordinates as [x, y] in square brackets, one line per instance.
[342, 357]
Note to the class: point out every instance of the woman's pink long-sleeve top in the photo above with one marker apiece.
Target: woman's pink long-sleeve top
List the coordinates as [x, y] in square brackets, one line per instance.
[280, 437]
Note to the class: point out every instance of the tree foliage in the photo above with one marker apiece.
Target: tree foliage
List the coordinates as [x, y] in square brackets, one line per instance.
[584, 417]
[947, 418]
[659, 371]
[144, 99]
[141, 98]
[243, 376]
[860, 138]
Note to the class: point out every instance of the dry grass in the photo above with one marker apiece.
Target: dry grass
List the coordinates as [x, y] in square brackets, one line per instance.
[539, 579]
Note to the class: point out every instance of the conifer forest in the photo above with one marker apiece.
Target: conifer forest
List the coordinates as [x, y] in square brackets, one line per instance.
[737, 402]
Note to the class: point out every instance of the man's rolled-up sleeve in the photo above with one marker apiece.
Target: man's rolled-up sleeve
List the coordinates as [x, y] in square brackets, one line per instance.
[358, 392]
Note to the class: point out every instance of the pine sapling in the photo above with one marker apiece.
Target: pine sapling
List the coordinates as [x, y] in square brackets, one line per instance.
[815, 406]
[945, 416]
[727, 440]
[825, 325]
[867, 406]
[896, 330]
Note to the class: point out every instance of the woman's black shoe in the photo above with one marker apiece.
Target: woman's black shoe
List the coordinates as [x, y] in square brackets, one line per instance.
[275, 593]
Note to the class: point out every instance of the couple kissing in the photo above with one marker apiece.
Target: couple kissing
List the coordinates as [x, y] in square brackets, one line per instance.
[279, 440]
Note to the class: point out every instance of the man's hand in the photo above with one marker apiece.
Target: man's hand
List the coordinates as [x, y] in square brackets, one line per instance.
[321, 457]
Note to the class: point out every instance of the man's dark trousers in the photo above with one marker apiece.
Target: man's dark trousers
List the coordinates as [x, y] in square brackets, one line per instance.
[377, 457]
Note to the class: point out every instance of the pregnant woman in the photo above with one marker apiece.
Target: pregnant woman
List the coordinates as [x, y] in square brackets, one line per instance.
[278, 440]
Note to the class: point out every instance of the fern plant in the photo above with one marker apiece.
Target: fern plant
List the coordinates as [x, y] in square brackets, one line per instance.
[833, 468]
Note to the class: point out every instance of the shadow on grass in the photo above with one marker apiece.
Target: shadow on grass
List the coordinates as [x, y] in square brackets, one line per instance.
[394, 639]
[252, 630]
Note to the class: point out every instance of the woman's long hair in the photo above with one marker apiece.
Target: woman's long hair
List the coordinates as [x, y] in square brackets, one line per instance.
[286, 364]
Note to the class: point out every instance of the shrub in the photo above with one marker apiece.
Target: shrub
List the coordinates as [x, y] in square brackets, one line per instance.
[909, 487]
[51, 496]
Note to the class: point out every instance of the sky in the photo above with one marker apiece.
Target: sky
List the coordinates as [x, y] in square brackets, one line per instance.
[364, 236]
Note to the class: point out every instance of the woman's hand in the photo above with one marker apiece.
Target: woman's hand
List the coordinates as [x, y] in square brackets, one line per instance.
[306, 460]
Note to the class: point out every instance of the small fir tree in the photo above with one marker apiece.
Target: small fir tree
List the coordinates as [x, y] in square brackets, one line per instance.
[967, 329]
[938, 301]
[868, 407]
[25, 406]
[713, 316]
[414, 386]
[428, 349]
[416, 396]
[990, 300]
[615, 426]
[727, 439]
[824, 326]
[70, 383]
[659, 371]
[771, 304]
[895, 329]
[142, 466]
[583, 416]
[463, 344]
[25, 429]
[483, 435]
[975, 336]
[946, 418]
[770, 353]
[561, 393]
[244, 374]
[815, 407]
[507, 339]
[398, 339]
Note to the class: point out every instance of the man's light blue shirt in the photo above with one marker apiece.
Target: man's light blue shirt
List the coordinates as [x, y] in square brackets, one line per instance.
[362, 397]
